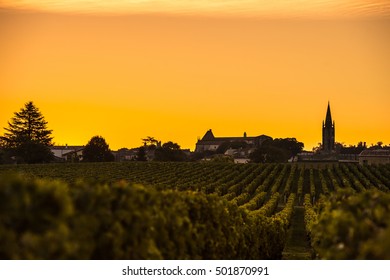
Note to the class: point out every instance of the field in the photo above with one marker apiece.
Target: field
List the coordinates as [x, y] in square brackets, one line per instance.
[151, 210]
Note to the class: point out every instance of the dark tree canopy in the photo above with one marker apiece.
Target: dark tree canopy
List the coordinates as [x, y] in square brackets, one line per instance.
[27, 137]
[171, 146]
[149, 140]
[277, 150]
[97, 150]
[141, 154]
[231, 145]
[169, 152]
[289, 144]
[269, 154]
[151, 143]
[223, 147]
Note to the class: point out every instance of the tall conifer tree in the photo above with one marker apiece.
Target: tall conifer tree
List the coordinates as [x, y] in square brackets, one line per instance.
[27, 136]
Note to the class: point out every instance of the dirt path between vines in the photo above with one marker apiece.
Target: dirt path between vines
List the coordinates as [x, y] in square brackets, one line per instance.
[297, 245]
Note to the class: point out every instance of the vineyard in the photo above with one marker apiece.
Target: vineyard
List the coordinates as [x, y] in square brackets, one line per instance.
[152, 210]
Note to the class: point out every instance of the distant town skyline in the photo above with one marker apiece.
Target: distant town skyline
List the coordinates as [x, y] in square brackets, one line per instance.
[127, 71]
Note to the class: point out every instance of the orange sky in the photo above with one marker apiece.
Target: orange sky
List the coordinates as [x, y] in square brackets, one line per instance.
[172, 71]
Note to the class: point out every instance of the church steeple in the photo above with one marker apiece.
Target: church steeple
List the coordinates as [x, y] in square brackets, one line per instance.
[328, 132]
[328, 119]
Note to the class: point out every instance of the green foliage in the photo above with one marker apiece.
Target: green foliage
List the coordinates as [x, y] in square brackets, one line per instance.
[190, 210]
[269, 208]
[287, 212]
[324, 185]
[34, 219]
[54, 220]
[27, 138]
[256, 202]
[353, 226]
[97, 150]
[310, 214]
[222, 158]
[300, 183]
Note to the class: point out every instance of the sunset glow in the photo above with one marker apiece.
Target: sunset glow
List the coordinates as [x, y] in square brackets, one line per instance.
[174, 69]
[295, 8]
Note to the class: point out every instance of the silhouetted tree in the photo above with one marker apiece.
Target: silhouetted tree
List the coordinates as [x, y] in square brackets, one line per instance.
[233, 145]
[97, 150]
[269, 154]
[151, 143]
[141, 154]
[169, 152]
[288, 144]
[27, 137]
[317, 149]
[223, 147]
[4, 153]
[238, 145]
[351, 149]
[277, 150]
[201, 155]
[171, 146]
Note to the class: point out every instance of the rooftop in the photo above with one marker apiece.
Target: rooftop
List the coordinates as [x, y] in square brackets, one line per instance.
[375, 153]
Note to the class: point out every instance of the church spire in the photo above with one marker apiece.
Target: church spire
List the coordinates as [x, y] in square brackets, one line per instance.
[328, 132]
[328, 119]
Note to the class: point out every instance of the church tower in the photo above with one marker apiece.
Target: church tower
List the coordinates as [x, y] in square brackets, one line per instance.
[328, 133]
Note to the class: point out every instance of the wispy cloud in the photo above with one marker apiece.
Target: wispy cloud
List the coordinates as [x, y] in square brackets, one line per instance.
[294, 8]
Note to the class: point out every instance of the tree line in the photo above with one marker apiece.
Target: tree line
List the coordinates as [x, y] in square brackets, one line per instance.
[27, 139]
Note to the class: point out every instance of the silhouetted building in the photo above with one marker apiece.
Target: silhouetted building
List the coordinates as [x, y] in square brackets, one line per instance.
[125, 154]
[328, 133]
[377, 156]
[211, 143]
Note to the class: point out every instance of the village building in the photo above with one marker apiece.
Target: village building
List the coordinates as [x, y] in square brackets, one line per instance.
[74, 156]
[125, 154]
[65, 153]
[211, 143]
[377, 156]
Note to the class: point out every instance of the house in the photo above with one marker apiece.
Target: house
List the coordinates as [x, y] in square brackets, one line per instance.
[61, 153]
[125, 154]
[74, 156]
[211, 143]
[377, 156]
[241, 160]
